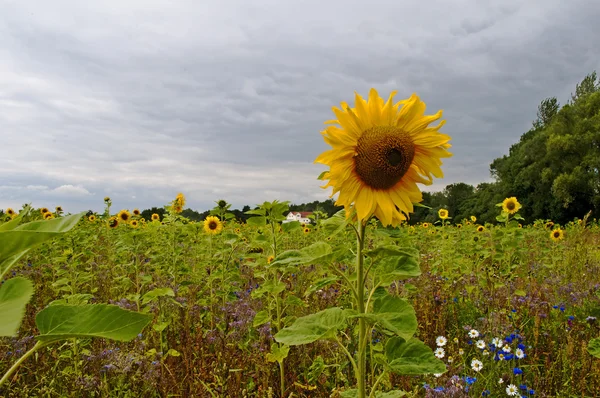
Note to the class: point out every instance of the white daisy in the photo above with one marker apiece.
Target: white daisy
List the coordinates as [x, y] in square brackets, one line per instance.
[512, 390]
[476, 365]
[441, 341]
[497, 342]
[480, 344]
[519, 353]
[506, 348]
[486, 352]
[461, 351]
[473, 333]
[439, 353]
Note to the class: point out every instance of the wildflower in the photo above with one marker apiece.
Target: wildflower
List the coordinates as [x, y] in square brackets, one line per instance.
[439, 353]
[485, 352]
[461, 351]
[511, 205]
[473, 333]
[92, 218]
[443, 214]
[512, 390]
[441, 341]
[480, 344]
[476, 365]
[379, 153]
[497, 342]
[455, 339]
[557, 234]
[506, 348]
[450, 359]
[270, 259]
[500, 381]
[480, 228]
[473, 219]
[124, 216]
[212, 225]
[155, 217]
[517, 371]
[44, 210]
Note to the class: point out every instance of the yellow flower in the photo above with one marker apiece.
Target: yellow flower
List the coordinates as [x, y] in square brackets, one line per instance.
[425, 225]
[59, 209]
[106, 199]
[92, 218]
[473, 219]
[136, 212]
[48, 216]
[549, 224]
[557, 234]
[10, 212]
[180, 200]
[306, 230]
[237, 230]
[443, 214]
[270, 259]
[511, 205]
[124, 216]
[44, 210]
[155, 217]
[459, 226]
[113, 222]
[480, 228]
[134, 223]
[213, 225]
[380, 151]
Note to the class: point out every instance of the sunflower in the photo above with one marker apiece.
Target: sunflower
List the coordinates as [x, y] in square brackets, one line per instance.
[92, 218]
[443, 214]
[136, 212]
[180, 200]
[473, 219]
[155, 217]
[549, 224]
[459, 226]
[237, 230]
[480, 228]
[432, 231]
[557, 234]
[177, 209]
[510, 205]
[270, 259]
[106, 199]
[213, 225]
[58, 209]
[306, 230]
[113, 222]
[44, 210]
[10, 212]
[124, 216]
[380, 151]
[48, 216]
[134, 223]
[425, 225]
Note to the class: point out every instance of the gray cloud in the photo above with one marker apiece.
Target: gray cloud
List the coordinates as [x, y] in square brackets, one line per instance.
[140, 100]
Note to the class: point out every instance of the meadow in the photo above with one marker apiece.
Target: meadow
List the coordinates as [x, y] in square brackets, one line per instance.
[501, 306]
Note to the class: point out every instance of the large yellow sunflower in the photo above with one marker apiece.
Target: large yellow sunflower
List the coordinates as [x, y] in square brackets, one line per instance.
[212, 225]
[557, 234]
[380, 151]
[511, 205]
[443, 214]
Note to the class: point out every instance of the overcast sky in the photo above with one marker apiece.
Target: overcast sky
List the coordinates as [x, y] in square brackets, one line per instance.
[141, 99]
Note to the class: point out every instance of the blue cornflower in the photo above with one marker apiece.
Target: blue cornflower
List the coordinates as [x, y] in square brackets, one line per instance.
[485, 393]
[470, 380]
[555, 307]
[531, 391]
[562, 308]
[517, 371]
[521, 346]
[523, 387]
[440, 389]
[508, 357]
[571, 317]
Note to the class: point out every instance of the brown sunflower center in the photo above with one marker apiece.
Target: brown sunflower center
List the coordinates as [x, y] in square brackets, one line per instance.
[383, 156]
[556, 234]
[212, 225]
[510, 205]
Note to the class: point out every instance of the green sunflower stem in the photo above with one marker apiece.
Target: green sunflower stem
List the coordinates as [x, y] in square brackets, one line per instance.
[361, 371]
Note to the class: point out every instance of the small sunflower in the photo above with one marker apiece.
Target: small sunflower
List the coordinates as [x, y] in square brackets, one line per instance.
[134, 223]
[113, 222]
[237, 230]
[136, 212]
[106, 199]
[270, 259]
[44, 210]
[92, 218]
[48, 216]
[557, 234]
[432, 231]
[124, 216]
[425, 225]
[511, 205]
[306, 230]
[520, 226]
[58, 209]
[155, 217]
[212, 225]
[303, 225]
[177, 209]
[459, 226]
[473, 219]
[180, 200]
[549, 224]
[380, 151]
[10, 212]
[480, 228]
[443, 214]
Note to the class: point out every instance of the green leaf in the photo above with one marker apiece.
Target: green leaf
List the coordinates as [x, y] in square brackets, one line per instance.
[291, 226]
[257, 221]
[310, 328]
[10, 261]
[59, 322]
[257, 212]
[393, 263]
[25, 236]
[261, 318]
[317, 253]
[15, 293]
[594, 347]
[156, 293]
[411, 357]
[390, 394]
[396, 315]
[521, 293]
[336, 224]
[278, 353]
[320, 284]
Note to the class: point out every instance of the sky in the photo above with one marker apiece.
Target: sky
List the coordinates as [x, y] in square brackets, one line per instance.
[141, 99]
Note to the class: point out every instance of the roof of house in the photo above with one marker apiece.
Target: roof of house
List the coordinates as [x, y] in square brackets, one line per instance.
[302, 213]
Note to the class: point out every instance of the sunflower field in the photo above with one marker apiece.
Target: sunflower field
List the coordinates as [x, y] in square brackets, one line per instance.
[360, 303]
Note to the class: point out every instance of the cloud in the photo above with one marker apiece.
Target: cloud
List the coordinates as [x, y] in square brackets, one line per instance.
[218, 100]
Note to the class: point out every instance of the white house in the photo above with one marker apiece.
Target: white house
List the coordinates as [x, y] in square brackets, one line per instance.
[300, 216]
